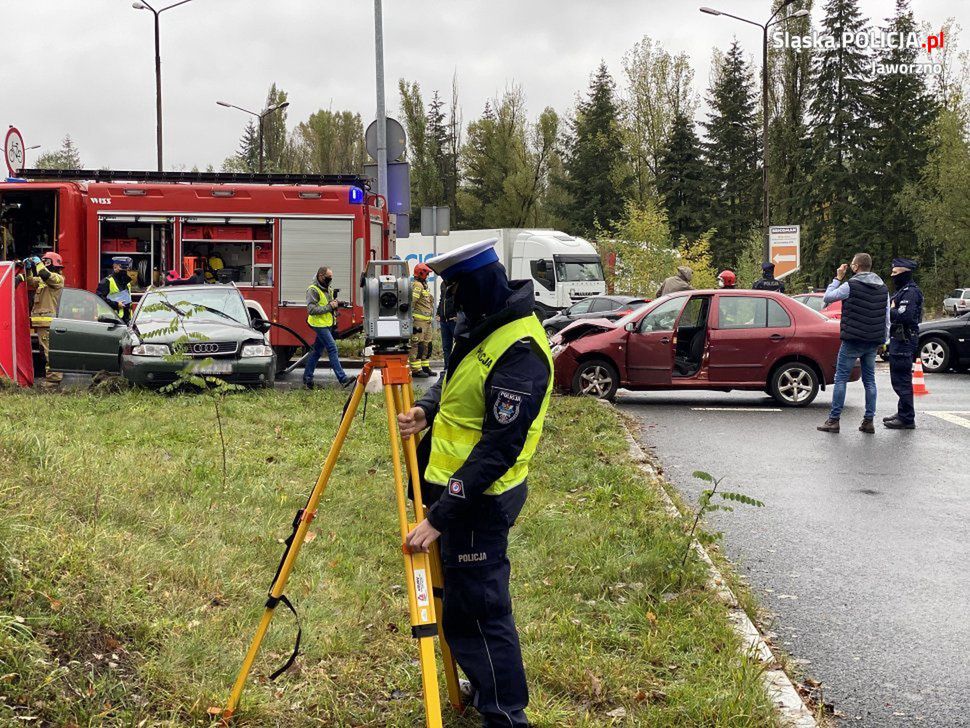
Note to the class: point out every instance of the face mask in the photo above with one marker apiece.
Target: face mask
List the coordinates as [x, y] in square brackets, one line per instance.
[901, 279]
[327, 282]
[720, 283]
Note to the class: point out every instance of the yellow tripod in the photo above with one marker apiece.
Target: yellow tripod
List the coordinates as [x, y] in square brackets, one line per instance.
[423, 571]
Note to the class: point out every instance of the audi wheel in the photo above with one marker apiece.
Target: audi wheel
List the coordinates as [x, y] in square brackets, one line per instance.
[934, 352]
[794, 384]
[596, 378]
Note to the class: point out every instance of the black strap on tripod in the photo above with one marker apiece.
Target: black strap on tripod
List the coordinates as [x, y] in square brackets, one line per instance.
[272, 601]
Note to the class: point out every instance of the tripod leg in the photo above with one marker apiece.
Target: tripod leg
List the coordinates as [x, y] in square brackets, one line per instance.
[279, 583]
[406, 395]
[418, 573]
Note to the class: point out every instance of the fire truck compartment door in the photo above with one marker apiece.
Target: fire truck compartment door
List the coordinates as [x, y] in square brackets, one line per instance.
[81, 343]
[307, 244]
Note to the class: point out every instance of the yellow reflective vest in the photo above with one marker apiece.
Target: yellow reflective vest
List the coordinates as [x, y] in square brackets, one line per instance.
[321, 320]
[457, 427]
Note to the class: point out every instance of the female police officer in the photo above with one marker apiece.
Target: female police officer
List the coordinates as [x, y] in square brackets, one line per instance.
[486, 414]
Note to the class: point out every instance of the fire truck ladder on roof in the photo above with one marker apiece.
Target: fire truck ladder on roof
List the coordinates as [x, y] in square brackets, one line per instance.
[108, 175]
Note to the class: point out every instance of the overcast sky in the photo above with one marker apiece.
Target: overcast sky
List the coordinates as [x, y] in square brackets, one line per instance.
[86, 67]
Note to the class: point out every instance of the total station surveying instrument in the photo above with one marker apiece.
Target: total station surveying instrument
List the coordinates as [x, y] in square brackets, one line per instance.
[387, 326]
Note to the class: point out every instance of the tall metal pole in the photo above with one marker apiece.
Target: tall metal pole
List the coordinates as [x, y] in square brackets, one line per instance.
[764, 144]
[260, 163]
[158, 93]
[381, 112]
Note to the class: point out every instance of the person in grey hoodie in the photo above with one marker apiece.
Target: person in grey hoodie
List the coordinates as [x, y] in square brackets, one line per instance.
[864, 328]
[679, 282]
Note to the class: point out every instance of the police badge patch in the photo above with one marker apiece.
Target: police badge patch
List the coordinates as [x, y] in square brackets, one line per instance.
[507, 406]
[456, 488]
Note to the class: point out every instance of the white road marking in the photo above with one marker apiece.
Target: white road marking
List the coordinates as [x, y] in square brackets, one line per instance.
[952, 417]
[736, 409]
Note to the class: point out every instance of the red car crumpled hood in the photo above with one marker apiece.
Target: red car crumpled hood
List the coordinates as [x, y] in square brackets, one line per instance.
[584, 327]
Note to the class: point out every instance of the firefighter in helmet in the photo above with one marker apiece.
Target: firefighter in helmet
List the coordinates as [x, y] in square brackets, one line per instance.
[115, 289]
[727, 279]
[422, 306]
[44, 278]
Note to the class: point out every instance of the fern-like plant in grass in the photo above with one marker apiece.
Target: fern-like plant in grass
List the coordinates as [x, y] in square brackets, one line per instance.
[706, 504]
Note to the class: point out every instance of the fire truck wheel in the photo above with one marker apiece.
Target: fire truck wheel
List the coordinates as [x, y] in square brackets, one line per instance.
[283, 356]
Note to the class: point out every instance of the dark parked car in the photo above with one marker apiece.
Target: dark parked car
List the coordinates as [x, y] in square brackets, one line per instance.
[722, 340]
[87, 336]
[608, 307]
[945, 344]
[219, 328]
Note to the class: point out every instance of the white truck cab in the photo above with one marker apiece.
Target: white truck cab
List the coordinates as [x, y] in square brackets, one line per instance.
[563, 268]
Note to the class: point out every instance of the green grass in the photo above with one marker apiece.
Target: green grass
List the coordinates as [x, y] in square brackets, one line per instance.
[131, 582]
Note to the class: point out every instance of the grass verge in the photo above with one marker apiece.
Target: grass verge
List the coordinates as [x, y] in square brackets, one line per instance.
[131, 581]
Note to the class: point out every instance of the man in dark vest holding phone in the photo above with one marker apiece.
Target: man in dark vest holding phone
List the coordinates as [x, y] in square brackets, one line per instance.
[865, 327]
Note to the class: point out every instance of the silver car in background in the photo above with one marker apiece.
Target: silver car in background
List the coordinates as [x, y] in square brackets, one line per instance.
[957, 302]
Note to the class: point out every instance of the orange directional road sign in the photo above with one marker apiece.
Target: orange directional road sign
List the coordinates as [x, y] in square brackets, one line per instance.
[784, 248]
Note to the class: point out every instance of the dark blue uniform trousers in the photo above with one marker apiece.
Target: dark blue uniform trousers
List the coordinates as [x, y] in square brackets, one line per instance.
[478, 624]
[901, 356]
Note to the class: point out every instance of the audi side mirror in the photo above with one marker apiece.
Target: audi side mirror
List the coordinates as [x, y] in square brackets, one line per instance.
[262, 325]
[630, 326]
[107, 318]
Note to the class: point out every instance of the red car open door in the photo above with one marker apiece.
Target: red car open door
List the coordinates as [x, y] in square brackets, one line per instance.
[751, 330]
[650, 346]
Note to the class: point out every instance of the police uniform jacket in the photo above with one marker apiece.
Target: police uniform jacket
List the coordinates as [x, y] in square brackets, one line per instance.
[521, 372]
[906, 312]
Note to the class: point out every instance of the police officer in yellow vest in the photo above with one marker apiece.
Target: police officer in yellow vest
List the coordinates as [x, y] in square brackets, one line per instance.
[115, 289]
[321, 307]
[485, 414]
[44, 278]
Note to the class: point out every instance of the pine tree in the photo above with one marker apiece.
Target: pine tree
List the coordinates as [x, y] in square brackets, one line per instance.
[248, 152]
[902, 112]
[788, 157]
[682, 180]
[67, 157]
[839, 133]
[732, 155]
[596, 170]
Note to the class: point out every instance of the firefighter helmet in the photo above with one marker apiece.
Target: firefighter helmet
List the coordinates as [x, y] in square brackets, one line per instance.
[727, 279]
[422, 271]
[52, 260]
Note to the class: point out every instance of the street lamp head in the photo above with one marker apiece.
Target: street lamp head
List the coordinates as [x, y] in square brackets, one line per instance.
[799, 14]
[283, 105]
[710, 11]
[139, 6]
[224, 103]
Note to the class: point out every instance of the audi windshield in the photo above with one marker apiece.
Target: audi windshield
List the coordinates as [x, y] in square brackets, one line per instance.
[215, 304]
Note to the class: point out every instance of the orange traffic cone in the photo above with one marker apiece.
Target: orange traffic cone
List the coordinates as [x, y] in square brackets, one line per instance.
[919, 384]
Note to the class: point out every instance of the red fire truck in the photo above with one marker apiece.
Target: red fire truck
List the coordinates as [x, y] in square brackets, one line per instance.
[266, 233]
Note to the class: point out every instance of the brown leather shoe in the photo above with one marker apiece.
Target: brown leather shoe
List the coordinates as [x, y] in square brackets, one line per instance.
[867, 427]
[829, 426]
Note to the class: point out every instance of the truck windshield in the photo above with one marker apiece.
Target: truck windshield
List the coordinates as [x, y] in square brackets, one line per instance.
[219, 304]
[578, 268]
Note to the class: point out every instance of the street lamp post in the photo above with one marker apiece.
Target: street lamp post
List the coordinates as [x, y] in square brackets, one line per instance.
[262, 115]
[765, 221]
[142, 5]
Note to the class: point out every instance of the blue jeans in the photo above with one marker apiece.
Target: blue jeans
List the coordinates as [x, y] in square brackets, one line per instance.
[323, 341]
[447, 339]
[865, 352]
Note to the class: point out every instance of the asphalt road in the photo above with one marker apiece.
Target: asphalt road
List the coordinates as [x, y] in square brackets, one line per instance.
[861, 549]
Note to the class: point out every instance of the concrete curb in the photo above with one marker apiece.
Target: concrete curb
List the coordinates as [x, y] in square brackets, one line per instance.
[779, 687]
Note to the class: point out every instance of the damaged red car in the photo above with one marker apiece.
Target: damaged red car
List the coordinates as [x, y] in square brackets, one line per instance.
[720, 340]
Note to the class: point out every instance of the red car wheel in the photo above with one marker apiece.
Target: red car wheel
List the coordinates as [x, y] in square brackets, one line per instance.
[596, 378]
